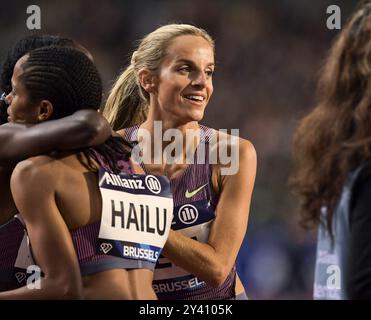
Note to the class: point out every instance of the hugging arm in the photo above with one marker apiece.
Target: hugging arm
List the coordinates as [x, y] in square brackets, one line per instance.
[84, 128]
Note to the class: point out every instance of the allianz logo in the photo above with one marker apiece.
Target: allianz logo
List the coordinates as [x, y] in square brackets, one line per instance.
[188, 214]
[151, 182]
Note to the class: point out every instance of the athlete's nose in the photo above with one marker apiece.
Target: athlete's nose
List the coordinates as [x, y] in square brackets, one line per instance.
[200, 79]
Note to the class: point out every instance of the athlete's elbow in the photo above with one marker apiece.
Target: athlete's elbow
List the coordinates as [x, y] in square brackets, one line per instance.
[217, 276]
[72, 294]
[95, 128]
[70, 291]
[90, 134]
[65, 287]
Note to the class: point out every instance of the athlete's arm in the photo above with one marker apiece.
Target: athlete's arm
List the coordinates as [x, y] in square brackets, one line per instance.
[82, 129]
[213, 261]
[33, 186]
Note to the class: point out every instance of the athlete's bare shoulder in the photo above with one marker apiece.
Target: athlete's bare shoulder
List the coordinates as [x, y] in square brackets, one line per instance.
[39, 168]
[230, 139]
[232, 147]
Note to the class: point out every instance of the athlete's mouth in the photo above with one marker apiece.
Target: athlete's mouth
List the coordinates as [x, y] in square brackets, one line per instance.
[195, 97]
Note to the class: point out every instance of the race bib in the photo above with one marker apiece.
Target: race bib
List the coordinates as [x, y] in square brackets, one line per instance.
[137, 211]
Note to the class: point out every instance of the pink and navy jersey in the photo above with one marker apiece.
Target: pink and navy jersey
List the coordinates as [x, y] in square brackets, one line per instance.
[90, 255]
[194, 211]
[11, 236]
[91, 258]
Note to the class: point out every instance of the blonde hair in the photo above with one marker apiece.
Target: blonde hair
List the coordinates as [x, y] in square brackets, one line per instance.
[128, 102]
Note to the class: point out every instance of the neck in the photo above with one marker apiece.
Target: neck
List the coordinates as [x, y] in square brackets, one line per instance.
[165, 125]
[167, 138]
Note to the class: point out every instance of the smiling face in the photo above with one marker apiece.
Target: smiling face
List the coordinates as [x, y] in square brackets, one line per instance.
[184, 82]
[21, 109]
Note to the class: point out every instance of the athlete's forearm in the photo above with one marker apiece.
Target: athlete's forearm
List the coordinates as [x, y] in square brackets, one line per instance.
[82, 129]
[86, 128]
[196, 257]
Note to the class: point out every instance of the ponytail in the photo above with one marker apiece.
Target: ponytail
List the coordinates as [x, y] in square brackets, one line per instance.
[125, 105]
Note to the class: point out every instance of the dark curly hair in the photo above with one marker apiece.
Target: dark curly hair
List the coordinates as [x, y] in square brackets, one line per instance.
[71, 82]
[335, 137]
[22, 47]
[64, 76]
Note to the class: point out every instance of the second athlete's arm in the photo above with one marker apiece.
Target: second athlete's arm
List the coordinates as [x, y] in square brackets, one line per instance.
[212, 261]
[33, 186]
[82, 129]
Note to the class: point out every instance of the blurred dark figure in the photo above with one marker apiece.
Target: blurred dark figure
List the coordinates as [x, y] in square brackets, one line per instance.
[332, 148]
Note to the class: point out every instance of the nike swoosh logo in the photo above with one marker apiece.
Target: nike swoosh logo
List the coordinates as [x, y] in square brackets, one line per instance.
[192, 193]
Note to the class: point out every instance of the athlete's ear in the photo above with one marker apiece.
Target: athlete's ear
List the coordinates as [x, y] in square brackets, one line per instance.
[45, 110]
[147, 80]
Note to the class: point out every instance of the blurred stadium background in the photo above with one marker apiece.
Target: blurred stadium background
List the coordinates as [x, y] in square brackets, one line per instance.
[268, 57]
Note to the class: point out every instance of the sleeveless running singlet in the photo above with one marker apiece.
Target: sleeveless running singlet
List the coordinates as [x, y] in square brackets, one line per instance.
[194, 211]
[15, 256]
[128, 236]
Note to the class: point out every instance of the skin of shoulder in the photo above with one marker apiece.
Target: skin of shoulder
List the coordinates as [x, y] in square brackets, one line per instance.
[33, 185]
[39, 168]
[226, 143]
[246, 148]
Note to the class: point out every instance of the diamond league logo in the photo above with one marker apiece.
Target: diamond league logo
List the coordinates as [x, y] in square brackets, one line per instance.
[105, 247]
[20, 276]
